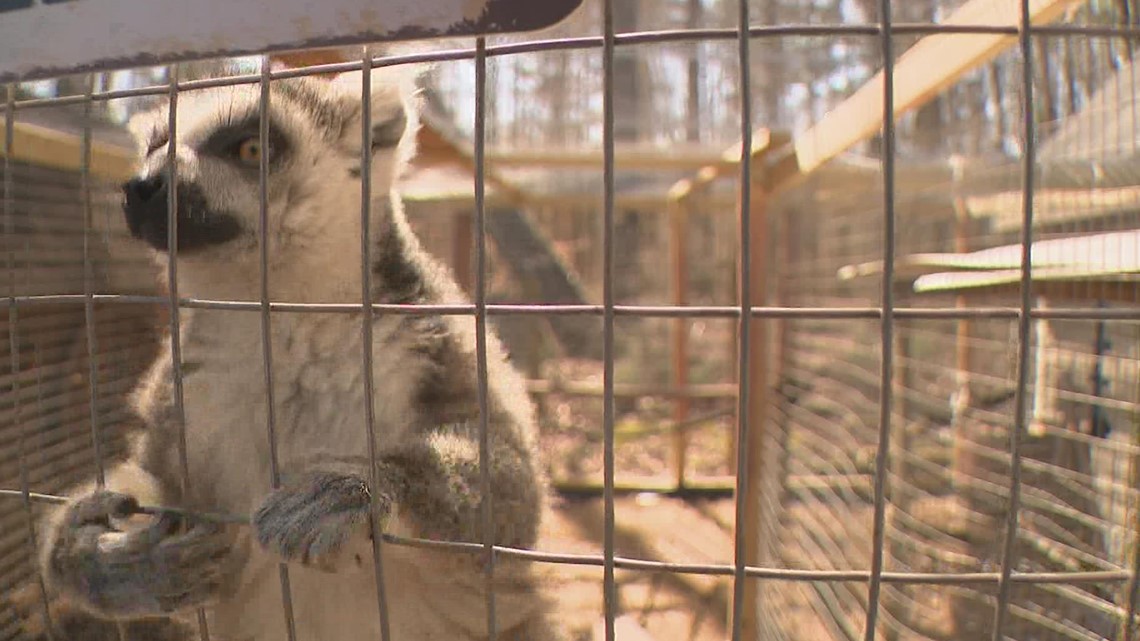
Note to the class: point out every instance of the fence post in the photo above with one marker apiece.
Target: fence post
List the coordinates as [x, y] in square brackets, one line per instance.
[897, 484]
[678, 226]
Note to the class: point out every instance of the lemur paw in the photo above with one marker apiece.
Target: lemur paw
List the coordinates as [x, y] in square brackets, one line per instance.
[312, 517]
[157, 569]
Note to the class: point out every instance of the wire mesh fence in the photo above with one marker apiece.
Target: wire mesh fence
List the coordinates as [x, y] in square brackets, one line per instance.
[928, 443]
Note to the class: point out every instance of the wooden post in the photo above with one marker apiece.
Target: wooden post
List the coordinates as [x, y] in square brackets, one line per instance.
[759, 362]
[679, 220]
[892, 601]
[311, 57]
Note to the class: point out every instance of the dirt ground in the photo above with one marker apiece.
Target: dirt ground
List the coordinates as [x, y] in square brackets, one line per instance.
[669, 607]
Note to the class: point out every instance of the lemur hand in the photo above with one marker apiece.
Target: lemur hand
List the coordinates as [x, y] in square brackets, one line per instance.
[312, 517]
[158, 569]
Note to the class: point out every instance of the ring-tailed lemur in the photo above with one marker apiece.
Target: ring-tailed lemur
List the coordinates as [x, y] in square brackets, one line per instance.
[102, 558]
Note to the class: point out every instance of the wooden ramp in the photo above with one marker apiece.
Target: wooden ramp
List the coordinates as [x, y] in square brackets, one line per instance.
[544, 276]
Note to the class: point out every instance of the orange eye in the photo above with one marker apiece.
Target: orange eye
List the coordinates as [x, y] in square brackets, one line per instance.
[249, 151]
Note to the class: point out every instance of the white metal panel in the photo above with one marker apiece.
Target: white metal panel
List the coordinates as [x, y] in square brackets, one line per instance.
[66, 36]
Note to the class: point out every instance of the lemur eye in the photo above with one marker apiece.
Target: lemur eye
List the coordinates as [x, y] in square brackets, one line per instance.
[249, 151]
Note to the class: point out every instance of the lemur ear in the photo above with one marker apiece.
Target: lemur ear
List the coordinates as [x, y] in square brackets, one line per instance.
[394, 113]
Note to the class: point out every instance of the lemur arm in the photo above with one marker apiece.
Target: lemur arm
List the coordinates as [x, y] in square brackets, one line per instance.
[432, 481]
[102, 556]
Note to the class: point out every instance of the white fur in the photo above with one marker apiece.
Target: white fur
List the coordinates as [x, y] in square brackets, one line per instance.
[317, 371]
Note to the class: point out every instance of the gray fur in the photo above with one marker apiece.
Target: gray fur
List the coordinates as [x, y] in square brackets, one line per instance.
[427, 479]
[313, 514]
[154, 570]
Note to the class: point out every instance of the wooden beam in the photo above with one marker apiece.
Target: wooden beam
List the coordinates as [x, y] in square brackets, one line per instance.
[48, 147]
[680, 157]
[932, 65]
[1077, 291]
[763, 141]
[929, 67]
[642, 203]
[311, 57]
[576, 388]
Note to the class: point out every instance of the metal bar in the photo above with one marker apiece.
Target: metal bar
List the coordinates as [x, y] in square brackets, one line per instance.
[624, 39]
[481, 374]
[712, 569]
[175, 317]
[742, 528]
[366, 338]
[1029, 158]
[1133, 588]
[14, 350]
[609, 583]
[637, 311]
[267, 324]
[887, 326]
[89, 303]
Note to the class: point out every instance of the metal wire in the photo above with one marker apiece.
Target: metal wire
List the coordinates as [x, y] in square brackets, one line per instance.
[887, 313]
[742, 529]
[1029, 158]
[609, 582]
[88, 286]
[175, 316]
[267, 324]
[643, 311]
[887, 326]
[89, 304]
[703, 569]
[367, 320]
[485, 463]
[1133, 591]
[9, 207]
[594, 42]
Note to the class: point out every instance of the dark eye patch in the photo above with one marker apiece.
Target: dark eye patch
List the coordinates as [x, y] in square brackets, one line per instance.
[224, 141]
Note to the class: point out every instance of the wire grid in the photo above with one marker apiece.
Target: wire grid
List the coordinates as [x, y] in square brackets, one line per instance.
[956, 388]
[887, 313]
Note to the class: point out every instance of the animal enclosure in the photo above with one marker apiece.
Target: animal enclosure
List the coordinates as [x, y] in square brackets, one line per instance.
[868, 268]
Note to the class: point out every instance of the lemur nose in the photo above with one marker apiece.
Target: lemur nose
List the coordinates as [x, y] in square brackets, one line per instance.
[141, 191]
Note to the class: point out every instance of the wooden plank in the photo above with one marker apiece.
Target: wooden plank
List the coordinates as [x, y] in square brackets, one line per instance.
[576, 388]
[690, 157]
[932, 65]
[46, 147]
[763, 141]
[929, 67]
[311, 57]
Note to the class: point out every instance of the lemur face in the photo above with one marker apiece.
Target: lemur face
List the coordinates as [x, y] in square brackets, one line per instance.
[313, 156]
